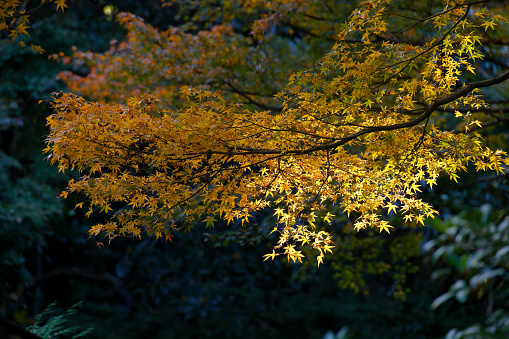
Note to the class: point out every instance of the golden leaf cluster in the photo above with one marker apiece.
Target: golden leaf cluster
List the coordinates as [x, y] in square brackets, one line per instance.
[359, 130]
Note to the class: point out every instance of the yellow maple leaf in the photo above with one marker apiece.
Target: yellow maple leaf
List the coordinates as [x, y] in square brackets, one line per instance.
[391, 207]
[270, 255]
[61, 4]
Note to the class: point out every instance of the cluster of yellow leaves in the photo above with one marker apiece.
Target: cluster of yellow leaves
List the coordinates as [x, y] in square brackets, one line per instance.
[14, 19]
[357, 131]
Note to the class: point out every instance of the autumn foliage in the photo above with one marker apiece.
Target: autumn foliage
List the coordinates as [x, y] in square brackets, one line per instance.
[207, 124]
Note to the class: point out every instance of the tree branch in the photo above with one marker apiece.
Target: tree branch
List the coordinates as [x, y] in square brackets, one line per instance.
[426, 112]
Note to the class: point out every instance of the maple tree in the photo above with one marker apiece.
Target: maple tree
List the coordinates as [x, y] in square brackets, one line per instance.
[204, 123]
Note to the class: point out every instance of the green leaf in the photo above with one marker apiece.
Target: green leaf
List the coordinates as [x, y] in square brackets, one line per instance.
[441, 299]
[438, 224]
[483, 277]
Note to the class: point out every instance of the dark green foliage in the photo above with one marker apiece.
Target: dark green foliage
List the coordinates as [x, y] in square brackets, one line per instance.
[471, 255]
[30, 212]
[48, 325]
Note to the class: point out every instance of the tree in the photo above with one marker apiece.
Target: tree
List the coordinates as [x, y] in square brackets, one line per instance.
[395, 102]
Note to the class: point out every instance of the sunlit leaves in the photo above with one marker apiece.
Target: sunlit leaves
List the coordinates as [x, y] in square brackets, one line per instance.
[357, 131]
